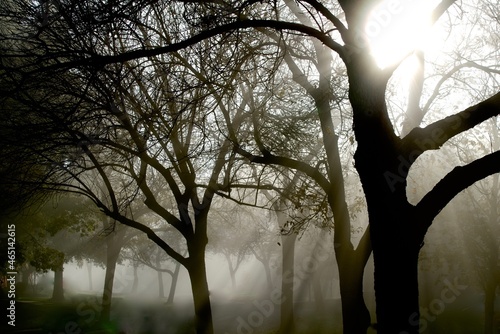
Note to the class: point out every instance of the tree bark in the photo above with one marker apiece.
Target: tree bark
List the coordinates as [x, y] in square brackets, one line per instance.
[394, 226]
[58, 292]
[113, 243]
[161, 290]
[396, 283]
[355, 314]
[199, 286]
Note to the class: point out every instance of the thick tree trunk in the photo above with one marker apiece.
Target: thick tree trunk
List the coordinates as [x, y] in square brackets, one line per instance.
[199, 287]
[287, 322]
[394, 226]
[58, 292]
[396, 285]
[396, 243]
[355, 314]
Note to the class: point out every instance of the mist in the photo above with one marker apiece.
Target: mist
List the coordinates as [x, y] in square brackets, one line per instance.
[240, 167]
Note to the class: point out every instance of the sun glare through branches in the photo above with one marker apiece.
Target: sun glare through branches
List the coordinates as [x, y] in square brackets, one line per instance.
[397, 27]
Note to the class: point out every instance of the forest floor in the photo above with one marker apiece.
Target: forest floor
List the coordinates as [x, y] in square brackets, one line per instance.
[79, 314]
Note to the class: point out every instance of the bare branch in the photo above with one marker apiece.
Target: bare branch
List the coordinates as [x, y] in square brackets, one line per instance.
[270, 159]
[454, 182]
[148, 231]
[436, 134]
[99, 61]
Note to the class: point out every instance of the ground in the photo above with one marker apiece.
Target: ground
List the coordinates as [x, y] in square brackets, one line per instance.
[78, 314]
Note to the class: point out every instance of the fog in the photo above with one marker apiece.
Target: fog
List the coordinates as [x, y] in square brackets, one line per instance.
[450, 294]
[241, 166]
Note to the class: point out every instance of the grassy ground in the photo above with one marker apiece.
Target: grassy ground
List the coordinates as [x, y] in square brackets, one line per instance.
[79, 314]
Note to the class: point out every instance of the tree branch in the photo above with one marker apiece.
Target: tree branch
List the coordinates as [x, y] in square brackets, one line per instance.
[271, 159]
[329, 15]
[441, 9]
[434, 135]
[95, 60]
[454, 182]
[149, 233]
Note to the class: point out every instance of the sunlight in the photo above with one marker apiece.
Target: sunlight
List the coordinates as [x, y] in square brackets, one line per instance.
[396, 27]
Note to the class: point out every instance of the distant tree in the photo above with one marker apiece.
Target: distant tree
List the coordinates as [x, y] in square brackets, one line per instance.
[141, 253]
[481, 225]
[42, 234]
[231, 235]
[265, 247]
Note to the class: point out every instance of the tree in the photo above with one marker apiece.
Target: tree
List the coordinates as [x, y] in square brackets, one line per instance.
[42, 234]
[482, 210]
[231, 235]
[128, 132]
[382, 157]
[139, 252]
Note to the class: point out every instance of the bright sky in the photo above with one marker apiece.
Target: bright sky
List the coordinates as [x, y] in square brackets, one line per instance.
[396, 27]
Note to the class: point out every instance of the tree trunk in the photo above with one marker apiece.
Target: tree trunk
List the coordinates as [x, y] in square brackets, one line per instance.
[232, 271]
[396, 285]
[161, 290]
[265, 259]
[173, 285]
[58, 292]
[89, 275]
[112, 252]
[396, 242]
[355, 314]
[382, 165]
[269, 279]
[287, 322]
[135, 284]
[199, 286]
[489, 308]
[26, 273]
